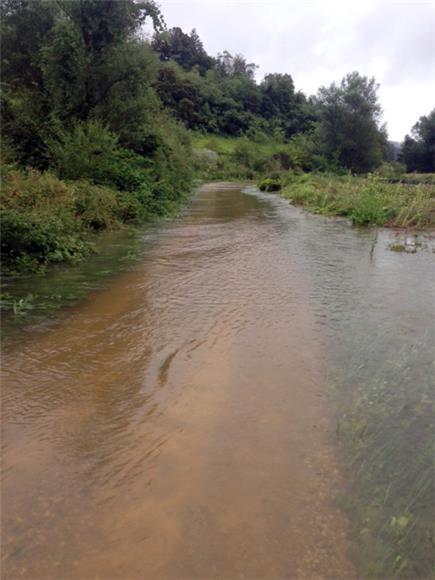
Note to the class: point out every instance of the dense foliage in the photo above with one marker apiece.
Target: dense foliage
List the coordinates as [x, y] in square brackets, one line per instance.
[349, 125]
[418, 151]
[78, 103]
[220, 95]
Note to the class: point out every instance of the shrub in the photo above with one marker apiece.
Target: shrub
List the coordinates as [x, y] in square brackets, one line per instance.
[91, 152]
[391, 171]
[272, 183]
[47, 220]
[250, 156]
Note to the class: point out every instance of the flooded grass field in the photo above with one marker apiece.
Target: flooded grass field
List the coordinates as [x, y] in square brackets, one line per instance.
[244, 392]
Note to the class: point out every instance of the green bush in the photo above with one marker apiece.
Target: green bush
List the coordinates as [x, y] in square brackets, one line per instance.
[272, 183]
[44, 219]
[91, 152]
[250, 156]
[392, 170]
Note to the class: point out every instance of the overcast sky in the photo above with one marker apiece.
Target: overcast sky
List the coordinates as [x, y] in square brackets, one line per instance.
[318, 42]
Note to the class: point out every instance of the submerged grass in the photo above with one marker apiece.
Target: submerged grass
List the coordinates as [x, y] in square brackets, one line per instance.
[387, 436]
[369, 200]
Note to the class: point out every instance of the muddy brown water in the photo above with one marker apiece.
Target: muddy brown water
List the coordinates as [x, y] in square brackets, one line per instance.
[179, 423]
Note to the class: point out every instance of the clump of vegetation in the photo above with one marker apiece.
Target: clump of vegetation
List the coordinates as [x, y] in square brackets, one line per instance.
[397, 247]
[419, 178]
[365, 200]
[86, 142]
[391, 171]
[407, 244]
[272, 183]
[18, 306]
[47, 220]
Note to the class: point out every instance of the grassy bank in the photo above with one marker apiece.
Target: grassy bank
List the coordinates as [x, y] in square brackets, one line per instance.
[369, 200]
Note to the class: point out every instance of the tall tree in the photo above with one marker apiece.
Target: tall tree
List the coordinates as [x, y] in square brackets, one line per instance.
[289, 110]
[70, 60]
[418, 151]
[185, 49]
[232, 66]
[350, 123]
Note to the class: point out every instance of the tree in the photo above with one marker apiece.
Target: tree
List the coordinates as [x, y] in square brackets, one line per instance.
[73, 60]
[235, 66]
[25, 26]
[349, 123]
[185, 49]
[290, 111]
[418, 151]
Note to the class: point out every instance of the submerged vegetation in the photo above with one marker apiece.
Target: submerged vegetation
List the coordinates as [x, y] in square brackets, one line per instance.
[386, 430]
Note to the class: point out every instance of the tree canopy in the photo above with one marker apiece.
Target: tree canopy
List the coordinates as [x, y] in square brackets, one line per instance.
[349, 123]
[77, 61]
[418, 151]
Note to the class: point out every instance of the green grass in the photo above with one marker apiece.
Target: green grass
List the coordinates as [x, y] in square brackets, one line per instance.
[366, 200]
[418, 178]
[228, 145]
[217, 143]
[238, 158]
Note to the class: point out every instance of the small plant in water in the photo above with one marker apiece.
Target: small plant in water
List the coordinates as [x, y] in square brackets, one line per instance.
[18, 306]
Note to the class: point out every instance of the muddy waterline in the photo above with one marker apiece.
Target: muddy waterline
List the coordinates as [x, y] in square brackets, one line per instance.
[179, 423]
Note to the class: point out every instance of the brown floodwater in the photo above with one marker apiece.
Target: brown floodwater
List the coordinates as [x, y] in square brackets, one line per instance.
[178, 423]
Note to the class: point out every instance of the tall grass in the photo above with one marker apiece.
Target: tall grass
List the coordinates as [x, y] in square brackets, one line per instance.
[365, 200]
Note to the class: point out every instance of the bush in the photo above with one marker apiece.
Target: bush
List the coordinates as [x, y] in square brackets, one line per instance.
[91, 152]
[393, 170]
[270, 184]
[47, 220]
[250, 156]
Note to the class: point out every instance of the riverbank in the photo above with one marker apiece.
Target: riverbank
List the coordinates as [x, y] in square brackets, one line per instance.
[47, 220]
[365, 200]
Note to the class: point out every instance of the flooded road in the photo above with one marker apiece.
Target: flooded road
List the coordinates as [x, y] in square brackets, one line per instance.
[180, 423]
